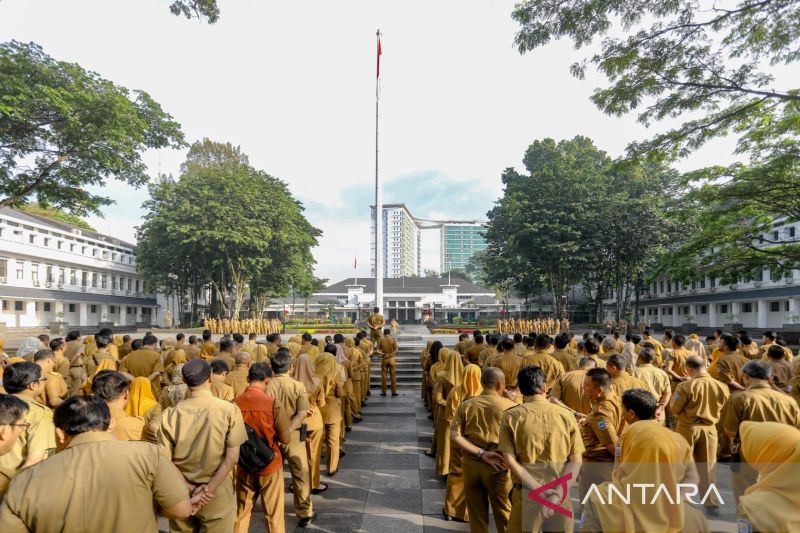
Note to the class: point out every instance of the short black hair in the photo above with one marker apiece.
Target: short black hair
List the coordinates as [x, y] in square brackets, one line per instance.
[507, 344]
[463, 336]
[73, 335]
[281, 362]
[517, 338]
[679, 340]
[494, 338]
[746, 340]
[636, 339]
[641, 402]
[80, 414]
[617, 361]
[252, 336]
[271, 337]
[478, 338]
[560, 342]
[338, 338]
[149, 340]
[531, 380]
[259, 372]
[180, 337]
[647, 355]
[101, 341]
[330, 348]
[109, 385]
[239, 338]
[18, 376]
[43, 354]
[542, 341]
[206, 334]
[770, 335]
[668, 333]
[529, 341]
[12, 409]
[731, 342]
[108, 332]
[775, 352]
[591, 347]
[306, 336]
[600, 377]
[757, 369]
[387, 331]
[226, 345]
[126, 338]
[192, 339]
[219, 367]
[136, 344]
[57, 343]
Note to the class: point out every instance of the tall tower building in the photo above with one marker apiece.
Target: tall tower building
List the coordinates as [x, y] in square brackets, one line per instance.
[401, 242]
[459, 242]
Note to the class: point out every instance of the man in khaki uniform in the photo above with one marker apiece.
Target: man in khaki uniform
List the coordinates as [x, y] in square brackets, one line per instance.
[292, 396]
[758, 403]
[202, 435]
[540, 442]
[55, 388]
[654, 380]
[74, 354]
[697, 406]
[126, 347]
[91, 359]
[474, 351]
[560, 354]
[620, 379]
[12, 420]
[367, 348]
[568, 389]
[58, 346]
[37, 440]
[729, 366]
[114, 389]
[273, 344]
[220, 389]
[146, 363]
[208, 350]
[510, 363]
[192, 350]
[226, 350]
[237, 378]
[781, 370]
[538, 356]
[375, 322]
[387, 351]
[115, 483]
[476, 430]
[489, 350]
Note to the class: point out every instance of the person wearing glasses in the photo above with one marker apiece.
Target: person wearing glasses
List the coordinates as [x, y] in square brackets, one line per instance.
[12, 423]
[26, 382]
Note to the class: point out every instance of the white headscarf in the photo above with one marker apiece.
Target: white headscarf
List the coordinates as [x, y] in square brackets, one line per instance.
[29, 345]
[340, 357]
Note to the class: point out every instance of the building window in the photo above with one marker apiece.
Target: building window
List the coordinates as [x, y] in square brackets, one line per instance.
[712, 282]
[747, 307]
[94, 252]
[61, 274]
[32, 238]
[775, 307]
[17, 306]
[60, 244]
[103, 281]
[137, 285]
[35, 274]
[46, 241]
[20, 270]
[791, 231]
[5, 305]
[92, 308]
[71, 308]
[112, 309]
[128, 310]
[73, 277]
[129, 284]
[114, 283]
[723, 308]
[661, 286]
[49, 272]
[94, 280]
[775, 236]
[47, 307]
[3, 270]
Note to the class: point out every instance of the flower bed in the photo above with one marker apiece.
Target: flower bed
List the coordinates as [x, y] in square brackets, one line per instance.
[456, 330]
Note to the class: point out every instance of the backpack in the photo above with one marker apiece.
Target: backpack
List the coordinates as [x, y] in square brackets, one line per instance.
[255, 454]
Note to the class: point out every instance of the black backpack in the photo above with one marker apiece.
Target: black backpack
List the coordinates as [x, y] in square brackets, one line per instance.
[256, 453]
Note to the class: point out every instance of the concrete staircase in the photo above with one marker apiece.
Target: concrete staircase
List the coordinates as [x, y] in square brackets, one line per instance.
[409, 371]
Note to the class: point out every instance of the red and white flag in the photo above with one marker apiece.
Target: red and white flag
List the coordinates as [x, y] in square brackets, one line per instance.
[379, 57]
[355, 263]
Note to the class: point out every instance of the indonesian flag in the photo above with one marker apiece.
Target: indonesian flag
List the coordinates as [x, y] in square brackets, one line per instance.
[355, 263]
[379, 57]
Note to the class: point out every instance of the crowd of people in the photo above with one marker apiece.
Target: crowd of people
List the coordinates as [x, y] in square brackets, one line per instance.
[259, 326]
[200, 427]
[519, 413]
[549, 325]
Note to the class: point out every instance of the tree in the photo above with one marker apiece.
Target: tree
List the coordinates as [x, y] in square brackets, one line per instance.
[199, 9]
[63, 128]
[712, 64]
[57, 215]
[475, 267]
[430, 273]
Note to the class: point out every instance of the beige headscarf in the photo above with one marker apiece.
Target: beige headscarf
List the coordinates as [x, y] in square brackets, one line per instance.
[304, 373]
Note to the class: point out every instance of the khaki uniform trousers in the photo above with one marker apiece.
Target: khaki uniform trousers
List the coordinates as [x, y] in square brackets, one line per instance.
[483, 487]
[270, 489]
[75, 380]
[333, 435]
[389, 369]
[314, 450]
[365, 376]
[526, 516]
[703, 440]
[297, 456]
[355, 400]
[455, 504]
[219, 516]
[347, 401]
[442, 433]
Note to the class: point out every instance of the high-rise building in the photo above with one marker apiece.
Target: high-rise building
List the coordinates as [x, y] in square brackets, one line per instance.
[401, 242]
[459, 242]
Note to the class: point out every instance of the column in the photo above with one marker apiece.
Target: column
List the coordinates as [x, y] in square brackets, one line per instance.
[58, 311]
[763, 309]
[138, 311]
[83, 314]
[736, 311]
[123, 312]
[794, 309]
[712, 315]
[676, 317]
[30, 318]
[104, 317]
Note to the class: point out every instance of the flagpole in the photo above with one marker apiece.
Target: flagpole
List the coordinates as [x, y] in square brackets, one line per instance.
[378, 191]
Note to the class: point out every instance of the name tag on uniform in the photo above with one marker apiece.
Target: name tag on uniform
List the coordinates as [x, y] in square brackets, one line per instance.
[744, 526]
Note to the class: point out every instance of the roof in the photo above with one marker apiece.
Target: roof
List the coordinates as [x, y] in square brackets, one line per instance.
[62, 226]
[408, 285]
[72, 296]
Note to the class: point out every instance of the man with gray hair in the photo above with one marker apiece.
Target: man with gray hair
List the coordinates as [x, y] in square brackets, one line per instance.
[759, 402]
[609, 348]
[476, 430]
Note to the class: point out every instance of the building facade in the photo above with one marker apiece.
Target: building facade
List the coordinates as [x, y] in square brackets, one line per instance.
[55, 272]
[459, 241]
[402, 253]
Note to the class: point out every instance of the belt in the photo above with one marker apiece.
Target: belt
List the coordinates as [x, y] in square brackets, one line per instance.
[76, 366]
[518, 486]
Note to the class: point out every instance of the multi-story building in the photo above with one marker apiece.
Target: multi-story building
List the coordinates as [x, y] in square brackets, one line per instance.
[458, 243]
[401, 242]
[55, 272]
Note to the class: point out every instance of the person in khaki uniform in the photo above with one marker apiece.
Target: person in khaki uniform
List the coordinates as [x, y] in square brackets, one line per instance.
[697, 406]
[291, 395]
[237, 378]
[202, 435]
[114, 389]
[74, 354]
[367, 348]
[24, 381]
[654, 380]
[568, 389]
[226, 349]
[489, 349]
[192, 349]
[620, 379]
[208, 349]
[729, 365]
[126, 347]
[304, 373]
[510, 363]
[91, 359]
[326, 371]
[474, 352]
[387, 351]
[540, 441]
[538, 356]
[758, 403]
[55, 388]
[476, 430]
[560, 354]
[448, 379]
[781, 370]
[12, 421]
[357, 364]
[115, 483]
[58, 346]
[600, 429]
[220, 389]
[375, 322]
[145, 363]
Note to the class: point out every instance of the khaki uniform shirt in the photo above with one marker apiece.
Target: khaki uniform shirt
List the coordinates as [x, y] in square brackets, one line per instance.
[604, 424]
[569, 390]
[124, 350]
[40, 436]
[478, 419]
[376, 319]
[62, 367]
[142, 363]
[72, 352]
[237, 380]
[101, 485]
[729, 367]
[290, 394]
[91, 362]
[126, 427]
[699, 401]
[781, 373]
[474, 353]
[229, 360]
[625, 381]
[193, 351]
[486, 353]
[759, 403]
[654, 380]
[538, 432]
[222, 390]
[54, 388]
[552, 368]
[678, 358]
[568, 361]
[510, 364]
[387, 345]
[272, 349]
[197, 433]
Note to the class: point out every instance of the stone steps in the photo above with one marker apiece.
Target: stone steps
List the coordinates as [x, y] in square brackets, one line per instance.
[409, 371]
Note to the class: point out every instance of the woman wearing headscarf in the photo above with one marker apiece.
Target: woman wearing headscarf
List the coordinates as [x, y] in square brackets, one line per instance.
[438, 354]
[304, 373]
[693, 344]
[356, 370]
[29, 346]
[425, 363]
[325, 371]
[142, 403]
[176, 391]
[349, 395]
[104, 364]
[455, 503]
[772, 448]
[450, 378]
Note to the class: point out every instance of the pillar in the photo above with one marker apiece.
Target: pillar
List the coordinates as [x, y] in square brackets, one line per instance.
[736, 311]
[676, 317]
[58, 307]
[138, 311]
[104, 313]
[30, 318]
[712, 315]
[763, 309]
[123, 315]
[83, 314]
[794, 309]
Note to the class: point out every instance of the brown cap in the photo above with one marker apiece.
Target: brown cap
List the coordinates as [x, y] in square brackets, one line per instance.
[195, 372]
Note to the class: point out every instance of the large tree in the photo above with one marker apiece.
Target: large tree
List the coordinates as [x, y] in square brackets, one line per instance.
[63, 128]
[200, 9]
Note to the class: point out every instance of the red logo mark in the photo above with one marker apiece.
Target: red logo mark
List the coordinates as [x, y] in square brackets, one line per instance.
[560, 482]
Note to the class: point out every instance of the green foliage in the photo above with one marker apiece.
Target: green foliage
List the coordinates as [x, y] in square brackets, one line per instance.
[459, 273]
[475, 267]
[430, 273]
[199, 9]
[57, 215]
[63, 128]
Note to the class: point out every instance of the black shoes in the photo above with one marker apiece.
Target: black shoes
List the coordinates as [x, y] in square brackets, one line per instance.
[383, 394]
[307, 520]
[348, 429]
[395, 394]
[320, 490]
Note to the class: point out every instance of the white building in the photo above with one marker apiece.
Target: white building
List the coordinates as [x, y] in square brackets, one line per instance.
[53, 272]
[401, 242]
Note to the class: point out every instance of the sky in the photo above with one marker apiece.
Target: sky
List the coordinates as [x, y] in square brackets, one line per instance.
[293, 84]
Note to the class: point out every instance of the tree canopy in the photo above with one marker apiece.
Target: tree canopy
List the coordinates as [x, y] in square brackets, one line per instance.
[200, 9]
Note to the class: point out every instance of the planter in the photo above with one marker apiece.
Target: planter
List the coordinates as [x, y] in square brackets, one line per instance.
[102, 325]
[733, 326]
[688, 327]
[791, 327]
[59, 328]
[143, 325]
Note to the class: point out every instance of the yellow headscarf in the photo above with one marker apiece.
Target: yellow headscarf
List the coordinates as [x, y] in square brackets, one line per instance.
[117, 340]
[454, 369]
[773, 449]
[141, 397]
[470, 386]
[88, 339]
[304, 372]
[15, 359]
[105, 364]
[438, 365]
[325, 370]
